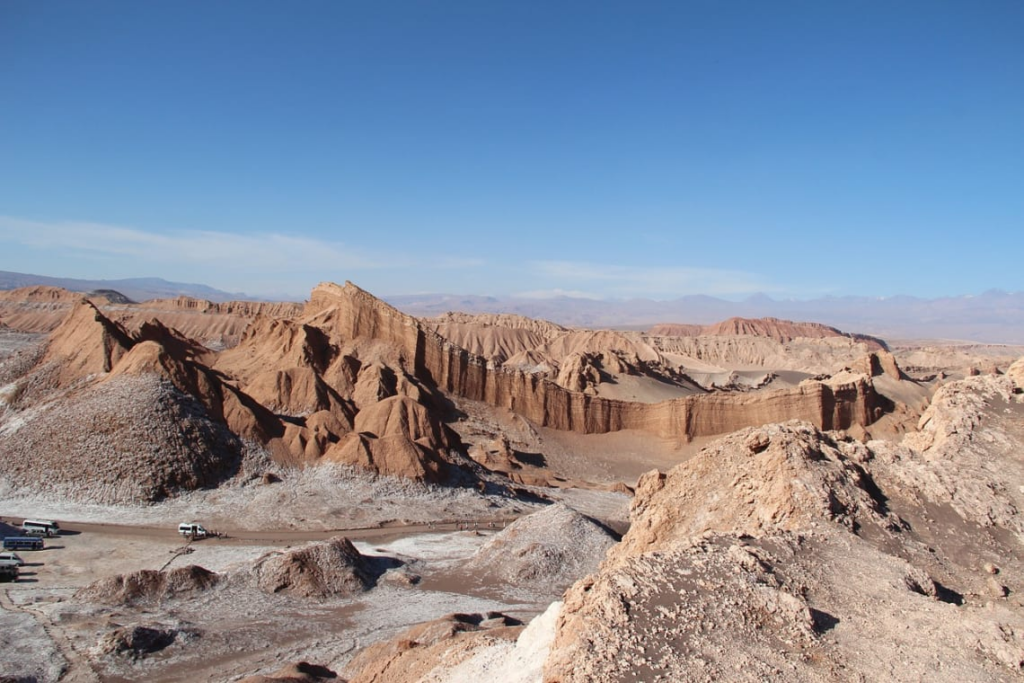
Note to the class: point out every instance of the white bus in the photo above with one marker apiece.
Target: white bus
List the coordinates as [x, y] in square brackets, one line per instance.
[40, 527]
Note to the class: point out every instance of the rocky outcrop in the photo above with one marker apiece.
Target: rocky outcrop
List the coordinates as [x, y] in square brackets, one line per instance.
[348, 313]
[148, 586]
[141, 640]
[86, 343]
[579, 373]
[127, 439]
[963, 454]
[779, 553]
[432, 648]
[879, 363]
[223, 403]
[769, 328]
[319, 570]
[777, 477]
[299, 672]
[396, 437]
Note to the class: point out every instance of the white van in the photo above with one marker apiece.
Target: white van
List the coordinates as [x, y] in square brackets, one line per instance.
[12, 557]
[40, 527]
[192, 530]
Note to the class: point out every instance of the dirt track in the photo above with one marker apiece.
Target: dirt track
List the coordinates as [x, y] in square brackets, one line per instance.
[270, 536]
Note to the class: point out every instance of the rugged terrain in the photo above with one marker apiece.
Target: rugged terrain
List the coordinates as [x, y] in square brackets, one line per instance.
[787, 553]
[818, 495]
[165, 397]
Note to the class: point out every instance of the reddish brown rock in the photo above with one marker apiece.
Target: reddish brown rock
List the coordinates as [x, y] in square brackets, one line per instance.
[86, 343]
[149, 586]
[348, 313]
[299, 672]
[396, 437]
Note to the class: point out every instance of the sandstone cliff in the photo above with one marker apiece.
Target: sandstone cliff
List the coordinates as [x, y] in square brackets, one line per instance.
[245, 309]
[86, 343]
[354, 381]
[396, 436]
[348, 312]
[770, 328]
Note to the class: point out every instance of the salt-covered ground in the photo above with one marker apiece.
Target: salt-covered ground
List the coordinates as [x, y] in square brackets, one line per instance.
[49, 635]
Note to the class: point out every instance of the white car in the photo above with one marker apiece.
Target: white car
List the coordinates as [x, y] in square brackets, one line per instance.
[12, 557]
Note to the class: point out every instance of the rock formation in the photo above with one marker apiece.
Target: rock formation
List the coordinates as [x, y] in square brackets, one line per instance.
[442, 643]
[549, 548]
[348, 313]
[770, 328]
[128, 439]
[86, 343]
[396, 436]
[318, 570]
[352, 380]
[782, 553]
[148, 586]
[139, 641]
[299, 672]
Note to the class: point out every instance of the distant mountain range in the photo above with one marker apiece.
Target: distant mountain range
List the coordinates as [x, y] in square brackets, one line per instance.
[992, 317]
[137, 289]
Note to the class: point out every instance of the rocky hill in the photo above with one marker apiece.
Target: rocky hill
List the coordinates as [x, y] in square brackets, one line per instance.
[780, 552]
[786, 553]
[770, 328]
[550, 547]
[318, 570]
[352, 313]
[42, 308]
[348, 379]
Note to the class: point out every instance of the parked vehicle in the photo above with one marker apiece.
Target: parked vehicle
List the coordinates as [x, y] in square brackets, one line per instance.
[192, 530]
[40, 527]
[8, 570]
[23, 543]
[12, 557]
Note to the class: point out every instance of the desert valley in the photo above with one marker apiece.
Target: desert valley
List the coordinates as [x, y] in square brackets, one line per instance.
[390, 498]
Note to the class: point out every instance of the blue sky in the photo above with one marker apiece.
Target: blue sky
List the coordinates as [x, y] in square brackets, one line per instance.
[607, 149]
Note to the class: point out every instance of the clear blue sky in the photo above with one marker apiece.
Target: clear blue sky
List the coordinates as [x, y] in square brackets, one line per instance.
[614, 149]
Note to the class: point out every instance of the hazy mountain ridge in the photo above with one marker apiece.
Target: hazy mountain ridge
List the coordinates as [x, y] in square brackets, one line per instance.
[138, 288]
[993, 316]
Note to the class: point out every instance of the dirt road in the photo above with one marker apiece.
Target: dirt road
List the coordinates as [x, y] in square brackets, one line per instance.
[229, 536]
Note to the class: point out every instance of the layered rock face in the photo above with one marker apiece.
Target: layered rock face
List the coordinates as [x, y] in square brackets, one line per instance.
[770, 328]
[351, 380]
[349, 312]
[41, 309]
[397, 436]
